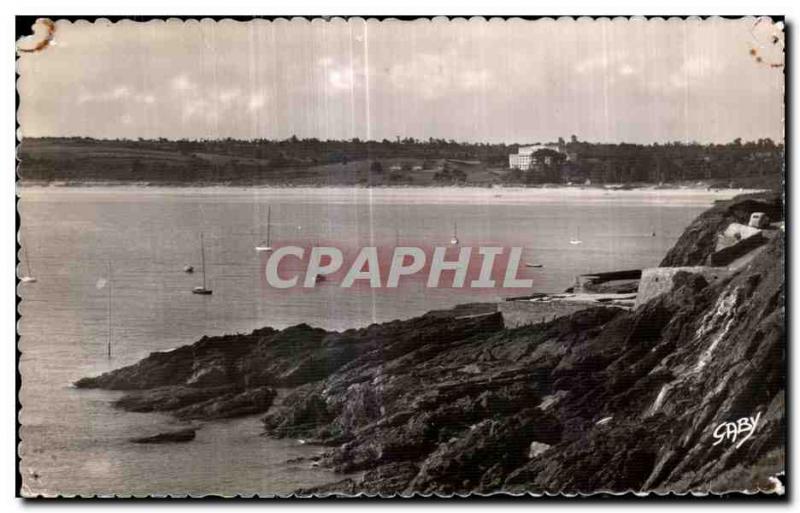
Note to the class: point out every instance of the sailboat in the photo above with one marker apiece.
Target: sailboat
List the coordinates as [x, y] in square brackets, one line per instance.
[577, 239]
[202, 290]
[454, 241]
[266, 246]
[108, 312]
[28, 277]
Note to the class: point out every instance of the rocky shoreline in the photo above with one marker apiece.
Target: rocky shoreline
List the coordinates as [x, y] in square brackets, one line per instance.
[603, 399]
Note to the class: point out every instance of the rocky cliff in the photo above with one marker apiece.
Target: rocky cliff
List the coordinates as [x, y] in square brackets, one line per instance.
[698, 240]
[601, 400]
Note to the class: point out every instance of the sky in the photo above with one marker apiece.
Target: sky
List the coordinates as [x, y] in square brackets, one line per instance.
[478, 80]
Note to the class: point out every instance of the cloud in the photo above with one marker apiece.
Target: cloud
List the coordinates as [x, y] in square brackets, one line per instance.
[255, 102]
[341, 78]
[145, 98]
[695, 69]
[193, 107]
[593, 63]
[118, 93]
[339, 75]
[229, 95]
[182, 83]
[433, 75]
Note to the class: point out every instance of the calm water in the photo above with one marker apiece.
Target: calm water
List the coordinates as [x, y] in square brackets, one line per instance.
[75, 443]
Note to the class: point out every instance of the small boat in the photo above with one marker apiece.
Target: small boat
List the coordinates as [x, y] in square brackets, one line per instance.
[535, 266]
[454, 241]
[108, 310]
[577, 239]
[265, 246]
[28, 278]
[188, 269]
[320, 279]
[202, 290]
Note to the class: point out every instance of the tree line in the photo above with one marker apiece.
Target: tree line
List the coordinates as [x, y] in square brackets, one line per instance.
[448, 161]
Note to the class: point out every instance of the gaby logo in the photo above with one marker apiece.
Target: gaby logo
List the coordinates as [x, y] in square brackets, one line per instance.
[744, 427]
[483, 267]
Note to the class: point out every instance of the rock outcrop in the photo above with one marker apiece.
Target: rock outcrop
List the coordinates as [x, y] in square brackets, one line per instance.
[699, 240]
[603, 399]
[182, 435]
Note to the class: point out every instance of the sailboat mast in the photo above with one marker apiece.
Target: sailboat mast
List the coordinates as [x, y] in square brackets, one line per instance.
[108, 310]
[269, 224]
[25, 252]
[203, 259]
[27, 263]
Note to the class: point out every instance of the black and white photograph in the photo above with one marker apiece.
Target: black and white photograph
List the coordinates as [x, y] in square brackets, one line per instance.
[396, 257]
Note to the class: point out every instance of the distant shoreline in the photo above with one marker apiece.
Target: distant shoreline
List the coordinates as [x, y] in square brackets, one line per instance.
[669, 187]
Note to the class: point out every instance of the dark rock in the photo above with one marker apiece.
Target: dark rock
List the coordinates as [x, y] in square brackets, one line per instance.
[343, 487]
[200, 403]
[183, 435]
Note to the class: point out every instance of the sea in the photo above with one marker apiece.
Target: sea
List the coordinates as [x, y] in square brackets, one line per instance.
[109, 267]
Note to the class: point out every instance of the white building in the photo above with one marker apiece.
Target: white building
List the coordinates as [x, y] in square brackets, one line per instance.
[524, 158]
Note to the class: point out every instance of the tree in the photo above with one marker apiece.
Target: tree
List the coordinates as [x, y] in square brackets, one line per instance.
[514, 176]
[279, 160]
[376, 167]
[450, 175]
[137, 169]
[548, 157]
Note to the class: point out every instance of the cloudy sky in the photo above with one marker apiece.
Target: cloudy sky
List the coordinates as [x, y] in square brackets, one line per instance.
[469, 80]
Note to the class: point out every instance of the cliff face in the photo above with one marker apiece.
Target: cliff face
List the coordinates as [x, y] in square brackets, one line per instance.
[600, 400]
[597, 401]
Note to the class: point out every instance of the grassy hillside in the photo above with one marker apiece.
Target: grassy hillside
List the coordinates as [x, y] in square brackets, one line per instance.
[84, 160]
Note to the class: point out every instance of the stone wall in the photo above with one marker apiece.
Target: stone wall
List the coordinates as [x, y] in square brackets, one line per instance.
[523, 313]
[659, 280]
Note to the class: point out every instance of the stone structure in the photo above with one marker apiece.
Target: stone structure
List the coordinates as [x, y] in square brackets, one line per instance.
[523, 313]
[659, 280]
[736, 241]
[759, 220]
[602, 282]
